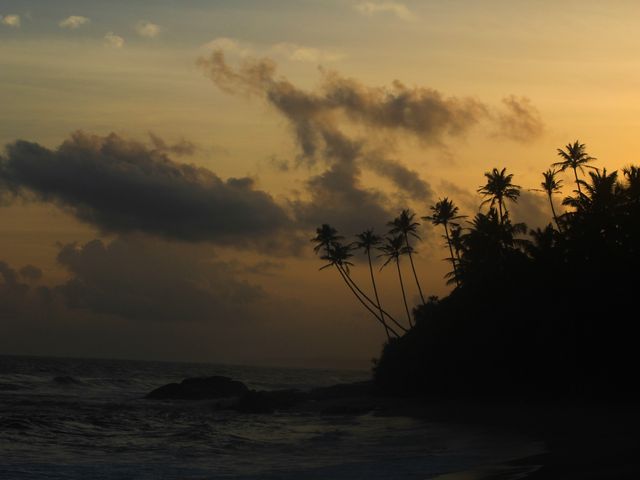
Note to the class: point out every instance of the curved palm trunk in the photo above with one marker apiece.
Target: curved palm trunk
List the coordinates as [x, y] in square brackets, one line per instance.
[415, 275]
[575, 174]
[404, 296]
[386, 327]
[366, 297]
[553, 211]
[373, 282]
[453, 259]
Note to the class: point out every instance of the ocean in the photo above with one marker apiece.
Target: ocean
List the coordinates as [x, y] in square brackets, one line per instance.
[63, 419]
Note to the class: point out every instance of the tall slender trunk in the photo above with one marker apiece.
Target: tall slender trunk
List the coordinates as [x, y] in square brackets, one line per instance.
[366, 297]
[386, 327]
[575, 174]
[373, 282]
[404, 296]
[500, 209]
[553, 211]
[415, 275]
[453, 260]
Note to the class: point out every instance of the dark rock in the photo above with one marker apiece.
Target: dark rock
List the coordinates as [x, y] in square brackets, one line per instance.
[200, 388]
[342, 390]
[268, 402]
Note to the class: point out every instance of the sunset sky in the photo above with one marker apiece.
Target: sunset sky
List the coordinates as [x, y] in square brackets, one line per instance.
[165, 163]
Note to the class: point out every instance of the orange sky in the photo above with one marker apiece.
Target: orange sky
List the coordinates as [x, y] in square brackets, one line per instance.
[571, 68]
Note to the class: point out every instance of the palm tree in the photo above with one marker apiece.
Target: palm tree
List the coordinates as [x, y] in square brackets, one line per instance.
[574, 157]
[392, 249]
[325, 236]
[551, 185]
[338, 256]
[499, 188]
[444, 212]
[366, 241]
[405, 226]
[601, 194]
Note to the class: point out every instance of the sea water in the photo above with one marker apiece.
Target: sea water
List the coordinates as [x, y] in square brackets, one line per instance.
[88, 419]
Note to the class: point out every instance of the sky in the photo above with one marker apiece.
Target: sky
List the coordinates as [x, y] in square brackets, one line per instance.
[164, 164]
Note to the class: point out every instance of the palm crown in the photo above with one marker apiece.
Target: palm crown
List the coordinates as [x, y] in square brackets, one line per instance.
[498, 188]
[444, 211]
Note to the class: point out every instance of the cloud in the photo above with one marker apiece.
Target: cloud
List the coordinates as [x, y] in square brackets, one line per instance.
[398, 9]
[229, 45]
[180, 148]
[520, 121]
[30, 273]
[124, 186]
[147, 29]
[405, 179]
[420, 111]
[285, 50]
[145, 280]
[532, 209]
[113, 40]
[74, 21]
[11, 21]
[298, 53]
[337, 195]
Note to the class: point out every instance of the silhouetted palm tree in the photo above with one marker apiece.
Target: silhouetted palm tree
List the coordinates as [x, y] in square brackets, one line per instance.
[499, 188]
[551, 185]
[392, 249]
[574, 157]
[444, 213]
[338, 256]
[325, 236]
[366, 241]
[405, 226]
[632, 175]
[600, 195]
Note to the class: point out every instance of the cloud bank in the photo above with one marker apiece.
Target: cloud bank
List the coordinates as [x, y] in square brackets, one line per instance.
[124, 186]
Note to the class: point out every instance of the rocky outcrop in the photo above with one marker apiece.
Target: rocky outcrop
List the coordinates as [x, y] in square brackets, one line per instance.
[200, 388]
[268, 401]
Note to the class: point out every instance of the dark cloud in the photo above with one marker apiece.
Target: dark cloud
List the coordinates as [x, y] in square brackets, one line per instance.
[18, 298]
[336, 195]
[403, 178]
[180, 148]
[423, 112]
[532, 209]
[152, 281]
[520, 121]
[31, 273]
[123, 186]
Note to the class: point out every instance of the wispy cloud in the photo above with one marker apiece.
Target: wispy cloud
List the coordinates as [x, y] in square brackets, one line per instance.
[398, 9]
[11, 21]
[74, 21]
[285, 50]
[147, 29]
[113, 40]
[299, 53]
[229, 46]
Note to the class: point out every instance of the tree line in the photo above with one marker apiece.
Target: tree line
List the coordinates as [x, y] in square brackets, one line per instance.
[498, 264]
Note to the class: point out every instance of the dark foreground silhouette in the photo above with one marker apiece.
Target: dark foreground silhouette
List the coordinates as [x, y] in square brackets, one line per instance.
[539, 313]
[540, 332]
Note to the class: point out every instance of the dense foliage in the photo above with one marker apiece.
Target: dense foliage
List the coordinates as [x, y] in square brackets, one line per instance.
[550, 310]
